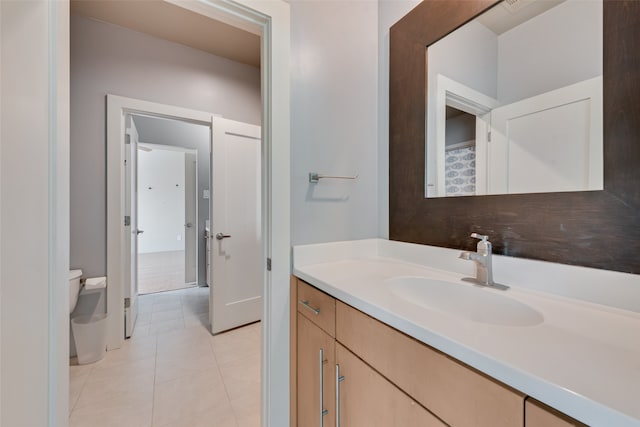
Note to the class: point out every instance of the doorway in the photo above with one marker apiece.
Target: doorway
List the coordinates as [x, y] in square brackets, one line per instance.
[173, 214]
[271, 21]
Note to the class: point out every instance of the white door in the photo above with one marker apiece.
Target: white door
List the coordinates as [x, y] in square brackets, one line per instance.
[131, 226]
[190, 218]
[550, 142]
[236, 229]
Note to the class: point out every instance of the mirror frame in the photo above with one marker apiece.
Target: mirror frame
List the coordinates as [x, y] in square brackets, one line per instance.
[599, 229]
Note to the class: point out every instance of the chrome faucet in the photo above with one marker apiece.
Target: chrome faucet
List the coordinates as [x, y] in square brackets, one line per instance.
[484, 265]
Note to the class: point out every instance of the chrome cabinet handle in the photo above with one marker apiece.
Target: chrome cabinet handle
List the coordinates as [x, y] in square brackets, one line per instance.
[139, 232]
[306, 305]
[323, 411]
[221, 236]
[339, 379]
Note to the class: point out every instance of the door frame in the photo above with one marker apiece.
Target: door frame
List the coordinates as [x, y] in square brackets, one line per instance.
[271, 20]
[194, 194]
[117, 108]
[455, 94]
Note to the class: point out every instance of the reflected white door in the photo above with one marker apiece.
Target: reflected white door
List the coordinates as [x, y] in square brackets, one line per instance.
[236, 230]
[549, 142]
[190, 219]
[131, 230]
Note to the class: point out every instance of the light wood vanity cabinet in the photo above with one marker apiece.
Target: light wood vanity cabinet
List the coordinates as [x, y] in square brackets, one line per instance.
[316, 367]
[537, 414]
[315, 356]
[366, 398]
[457, 394]
[389, 378]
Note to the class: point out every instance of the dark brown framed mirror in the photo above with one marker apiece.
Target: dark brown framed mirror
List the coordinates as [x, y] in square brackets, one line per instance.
[598, 229]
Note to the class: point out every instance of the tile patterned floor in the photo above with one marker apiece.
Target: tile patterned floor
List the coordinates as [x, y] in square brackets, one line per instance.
[161, 271]
[172, 373]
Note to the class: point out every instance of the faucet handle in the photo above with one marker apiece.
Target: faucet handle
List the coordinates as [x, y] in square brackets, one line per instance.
[480, 236]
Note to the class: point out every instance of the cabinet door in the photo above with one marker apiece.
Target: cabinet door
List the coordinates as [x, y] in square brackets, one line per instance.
[537, 414]
[366, 399]
[316, 378]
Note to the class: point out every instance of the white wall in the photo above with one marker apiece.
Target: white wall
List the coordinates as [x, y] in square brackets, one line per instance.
[34, 214]
[161, 199]
[555, 49]
[334, 111]
[469, 56]
[110, 59]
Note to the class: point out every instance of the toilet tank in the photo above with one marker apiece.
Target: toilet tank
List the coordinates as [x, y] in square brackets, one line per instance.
[74, 288]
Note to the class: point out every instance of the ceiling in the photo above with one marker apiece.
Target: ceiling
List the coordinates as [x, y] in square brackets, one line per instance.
[511, 13]
[159, 130]
[167, 21]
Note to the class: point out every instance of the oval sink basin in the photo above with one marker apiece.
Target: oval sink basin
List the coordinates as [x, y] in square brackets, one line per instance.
[467, 301]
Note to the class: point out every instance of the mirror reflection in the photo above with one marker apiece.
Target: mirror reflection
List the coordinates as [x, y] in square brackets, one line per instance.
[515, 101]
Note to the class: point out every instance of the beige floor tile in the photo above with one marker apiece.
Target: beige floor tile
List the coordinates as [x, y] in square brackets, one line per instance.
[175, 401]
[143, 318]
[173, 368]
[161, 316]
[198, 306]
[124, 370]
[79, 370]
[76, 384]
[108, 415]
[221, 416]
[159, 328]
[235, 344]
[183, 339]
[136, 348]
[145, 304]
[241, 376]
[248, 410]
[200, 320]
[142, 331]
[119, 384]
[168, 305]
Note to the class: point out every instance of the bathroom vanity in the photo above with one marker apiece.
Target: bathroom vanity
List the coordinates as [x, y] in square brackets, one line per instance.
[387, 334]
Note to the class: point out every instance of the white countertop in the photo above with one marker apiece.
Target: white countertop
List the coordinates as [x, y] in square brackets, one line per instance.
[583, 359]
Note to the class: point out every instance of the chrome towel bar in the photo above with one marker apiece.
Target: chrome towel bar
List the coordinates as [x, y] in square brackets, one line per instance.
[314, 177]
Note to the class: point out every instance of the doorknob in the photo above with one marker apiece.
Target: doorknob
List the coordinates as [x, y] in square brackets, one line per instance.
[188, 225]
[221, 236]
[139, 232]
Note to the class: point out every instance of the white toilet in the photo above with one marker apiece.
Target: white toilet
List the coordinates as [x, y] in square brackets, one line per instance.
[74, 288]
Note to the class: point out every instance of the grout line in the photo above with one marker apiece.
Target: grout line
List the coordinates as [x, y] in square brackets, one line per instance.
[155, 375]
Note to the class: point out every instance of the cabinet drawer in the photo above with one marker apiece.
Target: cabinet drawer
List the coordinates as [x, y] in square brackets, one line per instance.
[317, 306]
[368, 399]
[457, 394]
[537, 414]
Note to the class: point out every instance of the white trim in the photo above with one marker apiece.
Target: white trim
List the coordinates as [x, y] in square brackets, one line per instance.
[455, 94]
[117, 107]
[59, 72]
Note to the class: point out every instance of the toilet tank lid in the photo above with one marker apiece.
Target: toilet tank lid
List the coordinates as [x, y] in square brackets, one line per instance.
[75, 274]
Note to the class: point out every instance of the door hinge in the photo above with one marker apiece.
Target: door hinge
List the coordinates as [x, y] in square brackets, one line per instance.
[127, 221]
[268, 264]
[489, 136]
[127, 139]
[127, 302]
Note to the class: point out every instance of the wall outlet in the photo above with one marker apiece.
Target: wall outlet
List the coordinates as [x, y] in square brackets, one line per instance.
[179, 237]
